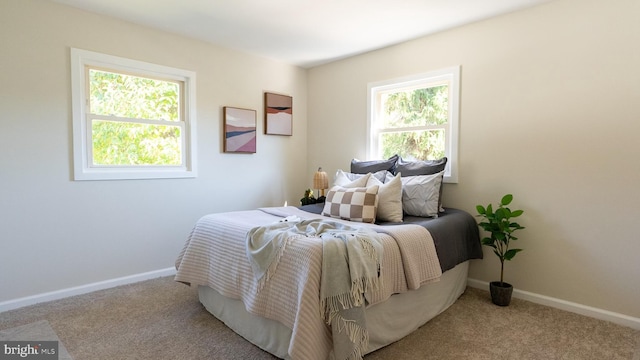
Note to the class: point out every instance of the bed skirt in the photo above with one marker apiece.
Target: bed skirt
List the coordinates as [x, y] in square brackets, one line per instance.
[387, 322]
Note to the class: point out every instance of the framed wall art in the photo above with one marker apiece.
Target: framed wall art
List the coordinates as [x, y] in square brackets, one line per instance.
[278, 114]
[239, 130]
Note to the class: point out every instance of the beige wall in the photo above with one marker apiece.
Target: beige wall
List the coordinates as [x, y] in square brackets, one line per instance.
[56, 233]
[549, 112]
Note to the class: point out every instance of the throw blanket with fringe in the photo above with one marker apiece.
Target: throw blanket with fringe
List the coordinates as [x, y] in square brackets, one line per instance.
[351, 258]
[214, 255]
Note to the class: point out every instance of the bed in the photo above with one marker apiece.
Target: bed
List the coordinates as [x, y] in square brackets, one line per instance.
[281, 305]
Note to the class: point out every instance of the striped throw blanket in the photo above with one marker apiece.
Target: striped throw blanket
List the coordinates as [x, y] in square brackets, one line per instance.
[351, 258]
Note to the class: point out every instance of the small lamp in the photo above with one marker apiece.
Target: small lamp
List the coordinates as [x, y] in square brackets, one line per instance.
[321, 183]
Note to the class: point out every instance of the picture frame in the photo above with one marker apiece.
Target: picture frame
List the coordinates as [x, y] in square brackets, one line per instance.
[239, 130]
[278, 114]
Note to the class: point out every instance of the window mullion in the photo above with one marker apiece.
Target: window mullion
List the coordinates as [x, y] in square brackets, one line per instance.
[135, 120]
[413, 128]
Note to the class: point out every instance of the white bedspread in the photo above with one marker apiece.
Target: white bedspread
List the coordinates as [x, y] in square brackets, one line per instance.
[214, 255]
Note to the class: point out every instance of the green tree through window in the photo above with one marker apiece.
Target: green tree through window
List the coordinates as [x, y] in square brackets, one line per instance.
[134, 120]
[404, 112]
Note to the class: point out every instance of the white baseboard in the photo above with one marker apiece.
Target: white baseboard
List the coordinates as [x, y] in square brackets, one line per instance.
[596, 313]
[83, 289]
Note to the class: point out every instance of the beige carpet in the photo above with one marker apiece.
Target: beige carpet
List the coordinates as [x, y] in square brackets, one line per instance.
[161, 319]
[35, 331]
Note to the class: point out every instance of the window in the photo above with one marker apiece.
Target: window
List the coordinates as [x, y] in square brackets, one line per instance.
[131, 119]
[416, 117]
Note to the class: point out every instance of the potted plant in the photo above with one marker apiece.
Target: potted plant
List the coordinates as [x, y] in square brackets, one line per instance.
[501, 228]
[308, 198]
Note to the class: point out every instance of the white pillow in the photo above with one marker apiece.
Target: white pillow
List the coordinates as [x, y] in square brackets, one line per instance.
[345, 179]
[420, 194]
[389, 198]
[380, 175]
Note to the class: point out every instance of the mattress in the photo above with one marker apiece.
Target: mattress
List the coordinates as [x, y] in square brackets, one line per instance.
[387, 322]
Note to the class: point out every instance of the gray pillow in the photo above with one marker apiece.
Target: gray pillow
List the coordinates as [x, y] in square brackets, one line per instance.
[415, 168]
[421, 194]
[423, 167]
[373, 166]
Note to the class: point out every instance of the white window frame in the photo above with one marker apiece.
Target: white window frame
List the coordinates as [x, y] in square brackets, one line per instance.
[449, 75]
[82, 144]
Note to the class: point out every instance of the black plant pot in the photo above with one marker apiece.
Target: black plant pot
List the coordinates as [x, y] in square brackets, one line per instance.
[500, 293]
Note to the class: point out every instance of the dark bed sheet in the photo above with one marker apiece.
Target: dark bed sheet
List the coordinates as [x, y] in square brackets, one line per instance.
[455, 234]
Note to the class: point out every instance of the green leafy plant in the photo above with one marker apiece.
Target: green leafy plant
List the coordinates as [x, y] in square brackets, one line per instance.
[501, 228]
[308, 198]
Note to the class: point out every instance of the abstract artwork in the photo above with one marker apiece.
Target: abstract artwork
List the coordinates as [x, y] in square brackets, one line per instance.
[278, 114]
[239, 130]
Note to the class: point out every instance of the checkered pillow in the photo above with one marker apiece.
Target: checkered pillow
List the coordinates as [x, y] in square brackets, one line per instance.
[354, 204]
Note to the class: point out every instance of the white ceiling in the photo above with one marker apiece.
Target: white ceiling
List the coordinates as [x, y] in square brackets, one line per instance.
[303, 32]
